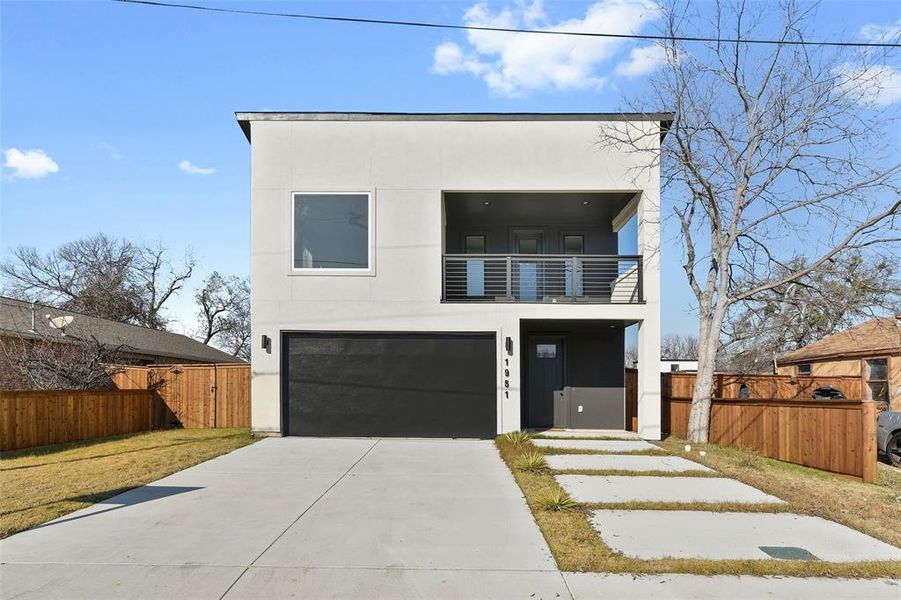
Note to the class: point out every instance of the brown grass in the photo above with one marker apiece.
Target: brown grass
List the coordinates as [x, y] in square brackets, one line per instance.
[626, 473]
[41, 484]
[871, 508]
[577, 547]
[645, 452]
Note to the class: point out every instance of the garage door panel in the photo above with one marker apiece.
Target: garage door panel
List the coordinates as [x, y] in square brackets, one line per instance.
[415, 385]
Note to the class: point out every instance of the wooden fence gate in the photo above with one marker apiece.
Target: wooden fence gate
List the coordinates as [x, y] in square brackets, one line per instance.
[197, 396]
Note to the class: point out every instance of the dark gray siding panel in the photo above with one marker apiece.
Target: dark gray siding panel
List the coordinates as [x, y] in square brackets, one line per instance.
[391, 385]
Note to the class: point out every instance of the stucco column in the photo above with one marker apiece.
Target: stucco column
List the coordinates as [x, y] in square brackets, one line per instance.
[649, 328]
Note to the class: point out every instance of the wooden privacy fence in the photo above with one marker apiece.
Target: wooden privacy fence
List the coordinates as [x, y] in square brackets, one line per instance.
[833, 435]
[777, 419]
[38, 418]
[777, 387]
[197, 396]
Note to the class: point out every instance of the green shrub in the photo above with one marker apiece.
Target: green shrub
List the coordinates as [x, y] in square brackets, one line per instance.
[518, 438]
[532, 461]
[558, 501]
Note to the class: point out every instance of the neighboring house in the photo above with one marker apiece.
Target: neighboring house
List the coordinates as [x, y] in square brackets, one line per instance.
[871, 351]
[131, 344]
[668, 365]
[674, 365]
[443, 275]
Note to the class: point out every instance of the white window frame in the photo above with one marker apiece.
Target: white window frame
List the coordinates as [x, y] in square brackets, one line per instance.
[369, 270]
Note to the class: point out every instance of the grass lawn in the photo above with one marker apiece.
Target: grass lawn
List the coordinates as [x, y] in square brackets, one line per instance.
[40, 484]
[576, 546]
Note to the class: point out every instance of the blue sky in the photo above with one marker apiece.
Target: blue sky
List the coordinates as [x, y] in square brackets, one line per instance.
[118, 96]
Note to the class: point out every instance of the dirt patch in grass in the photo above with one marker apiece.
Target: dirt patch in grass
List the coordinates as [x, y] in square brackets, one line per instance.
[41, 484]
[577, 547]
[874, 509]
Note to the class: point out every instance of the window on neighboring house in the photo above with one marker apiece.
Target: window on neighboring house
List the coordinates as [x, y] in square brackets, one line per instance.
[332, 231]
[804, 369]
[876, 373]
[673, 368]
[475, 244]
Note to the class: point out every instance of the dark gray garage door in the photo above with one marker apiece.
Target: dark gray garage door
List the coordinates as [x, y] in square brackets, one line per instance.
[411, 385]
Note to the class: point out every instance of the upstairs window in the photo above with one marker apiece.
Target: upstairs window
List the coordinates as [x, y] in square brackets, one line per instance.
[332, 231]
[804, 369]
[574, 244]
[475, 244]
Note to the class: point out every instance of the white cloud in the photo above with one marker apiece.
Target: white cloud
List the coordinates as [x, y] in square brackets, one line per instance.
[878, 85]
[881, 33]
[29, 164]
[514, 63]
[642, 61]
[191, 169]
[110, 150]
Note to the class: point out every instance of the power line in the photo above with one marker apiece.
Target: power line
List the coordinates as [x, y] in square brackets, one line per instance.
[424, 24]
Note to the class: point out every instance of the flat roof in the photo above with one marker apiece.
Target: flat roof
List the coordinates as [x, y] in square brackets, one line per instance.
[244, 118]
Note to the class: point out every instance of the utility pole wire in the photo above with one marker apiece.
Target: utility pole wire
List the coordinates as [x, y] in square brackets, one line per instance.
[631, 36]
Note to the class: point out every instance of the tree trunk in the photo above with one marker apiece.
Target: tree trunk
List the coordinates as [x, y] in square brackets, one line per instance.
[702, 395]
[699, 419]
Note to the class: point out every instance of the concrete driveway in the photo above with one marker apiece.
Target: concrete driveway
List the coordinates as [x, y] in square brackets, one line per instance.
[295, 517]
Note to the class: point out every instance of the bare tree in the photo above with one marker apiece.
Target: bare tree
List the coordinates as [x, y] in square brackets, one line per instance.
[223, 312]
[776, 153]
[42, 362]
[839, 295]
[99, 276]
[157, 280]
[631, 356]
[674, 346]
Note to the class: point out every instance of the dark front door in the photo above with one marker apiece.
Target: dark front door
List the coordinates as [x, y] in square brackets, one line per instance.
[546, 375]
[397, 384]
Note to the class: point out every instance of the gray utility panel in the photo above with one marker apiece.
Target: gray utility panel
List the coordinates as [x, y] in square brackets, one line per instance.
[590, 408]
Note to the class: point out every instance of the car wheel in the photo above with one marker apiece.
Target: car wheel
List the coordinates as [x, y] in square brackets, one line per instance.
[893, 449]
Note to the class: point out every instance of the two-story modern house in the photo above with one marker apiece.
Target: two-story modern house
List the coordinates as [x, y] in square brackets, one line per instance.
[451, 275]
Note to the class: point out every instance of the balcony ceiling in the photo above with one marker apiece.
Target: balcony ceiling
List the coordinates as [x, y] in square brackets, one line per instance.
[524, 208]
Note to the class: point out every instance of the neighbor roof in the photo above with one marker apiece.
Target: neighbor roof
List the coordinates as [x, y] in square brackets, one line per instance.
[15, 318]
[877, 336]
[244, 118]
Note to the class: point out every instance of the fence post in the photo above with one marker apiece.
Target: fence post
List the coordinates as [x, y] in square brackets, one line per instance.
[868, 441]
[215, 393]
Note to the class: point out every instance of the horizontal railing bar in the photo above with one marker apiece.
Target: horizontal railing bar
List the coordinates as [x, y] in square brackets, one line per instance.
[617, 257]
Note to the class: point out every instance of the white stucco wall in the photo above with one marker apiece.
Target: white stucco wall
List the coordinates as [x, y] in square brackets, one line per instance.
[407, 165]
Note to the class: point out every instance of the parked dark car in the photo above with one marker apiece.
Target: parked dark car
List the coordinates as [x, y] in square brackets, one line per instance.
[888, 435]
[827, 392]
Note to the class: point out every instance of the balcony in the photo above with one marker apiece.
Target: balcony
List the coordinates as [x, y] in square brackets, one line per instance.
[542, 278]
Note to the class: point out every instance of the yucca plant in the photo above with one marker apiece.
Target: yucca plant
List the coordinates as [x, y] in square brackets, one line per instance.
[518, 438]
[532, 462]
[558, 501]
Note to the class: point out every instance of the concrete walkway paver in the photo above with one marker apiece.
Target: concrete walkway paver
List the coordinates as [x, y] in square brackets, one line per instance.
[618, 488]
[597, 445]
[623, 462]
[599, 586]
[699, 534]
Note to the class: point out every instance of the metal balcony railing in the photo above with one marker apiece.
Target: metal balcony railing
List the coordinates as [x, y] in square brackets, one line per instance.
[601, 279]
